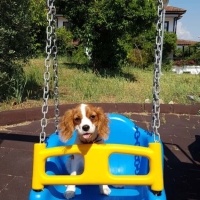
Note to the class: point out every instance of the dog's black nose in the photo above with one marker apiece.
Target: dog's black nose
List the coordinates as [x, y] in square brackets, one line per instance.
[86, 127]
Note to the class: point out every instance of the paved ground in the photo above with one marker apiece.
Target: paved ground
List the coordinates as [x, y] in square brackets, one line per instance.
[180, 135]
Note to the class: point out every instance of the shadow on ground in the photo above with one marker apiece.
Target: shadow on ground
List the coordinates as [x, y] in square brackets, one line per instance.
[182, 180]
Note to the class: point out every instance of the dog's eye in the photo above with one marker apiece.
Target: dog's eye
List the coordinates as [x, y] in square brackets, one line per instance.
[92, 117]
[77, 119]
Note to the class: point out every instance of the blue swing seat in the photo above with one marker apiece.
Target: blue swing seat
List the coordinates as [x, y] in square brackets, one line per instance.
[122, 131]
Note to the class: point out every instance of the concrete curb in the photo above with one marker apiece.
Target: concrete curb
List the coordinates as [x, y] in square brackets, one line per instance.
[32, 114]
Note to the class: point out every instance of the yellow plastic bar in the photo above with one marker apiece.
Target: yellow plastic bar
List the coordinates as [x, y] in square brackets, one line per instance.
[96, 168]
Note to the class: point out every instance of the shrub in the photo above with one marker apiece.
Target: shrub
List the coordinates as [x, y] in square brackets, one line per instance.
[167, 64]
[64, 41]
[14, 46]
[138, 58]
[169, 44]
[13, 82]
[182, 62]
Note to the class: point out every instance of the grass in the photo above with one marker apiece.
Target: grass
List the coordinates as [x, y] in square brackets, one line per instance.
[81, 85]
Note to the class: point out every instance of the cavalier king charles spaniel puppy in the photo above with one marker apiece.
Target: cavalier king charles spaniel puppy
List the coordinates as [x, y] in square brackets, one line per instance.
[91, 125]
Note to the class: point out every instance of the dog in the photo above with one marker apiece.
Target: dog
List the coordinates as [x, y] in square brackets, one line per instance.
[91, 125]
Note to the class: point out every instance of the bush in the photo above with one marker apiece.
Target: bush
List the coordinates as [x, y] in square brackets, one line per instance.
[196, 54]
[33, 87]
[138, 58]
[14, 46]
[64, 41]
[185, 62]
[79, 55]
[13, 82]
[167, 64]
[169, 44]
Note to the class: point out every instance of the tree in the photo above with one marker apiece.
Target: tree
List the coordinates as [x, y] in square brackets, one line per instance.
[14, 45]
[102, 25]
[169, 44]
[141, 49]
[38, 22]
[196, 54]
[169, 47]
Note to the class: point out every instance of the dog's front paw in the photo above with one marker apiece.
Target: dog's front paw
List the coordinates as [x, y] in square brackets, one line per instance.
[104, 189]
[70, 192]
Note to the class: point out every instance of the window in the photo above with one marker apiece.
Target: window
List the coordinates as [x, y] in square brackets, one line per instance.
[66, 24]
[166, 26]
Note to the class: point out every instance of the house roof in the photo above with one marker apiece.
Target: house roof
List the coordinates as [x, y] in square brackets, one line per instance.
[185, 42]
[175, 10]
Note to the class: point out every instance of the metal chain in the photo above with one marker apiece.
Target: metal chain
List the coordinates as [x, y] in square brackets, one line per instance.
[137, 161]
[55, 67]
[157, 71]
[51, 59]
[56, 100]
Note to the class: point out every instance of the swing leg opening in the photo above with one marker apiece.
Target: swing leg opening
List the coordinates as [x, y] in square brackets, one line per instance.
[38, 191]
[157, 193]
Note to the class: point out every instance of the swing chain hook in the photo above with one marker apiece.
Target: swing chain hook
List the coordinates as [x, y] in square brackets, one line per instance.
[51, 60]
[157, 71]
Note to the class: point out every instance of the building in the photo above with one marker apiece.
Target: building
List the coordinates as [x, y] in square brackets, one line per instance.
[62, 21]
[173, 14]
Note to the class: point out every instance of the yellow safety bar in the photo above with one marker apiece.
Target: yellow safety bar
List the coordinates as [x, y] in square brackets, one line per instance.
[95, 173]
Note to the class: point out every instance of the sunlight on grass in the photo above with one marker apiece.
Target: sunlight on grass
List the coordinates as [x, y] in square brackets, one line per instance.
[79, 86]
[177, 87]
[131, 86]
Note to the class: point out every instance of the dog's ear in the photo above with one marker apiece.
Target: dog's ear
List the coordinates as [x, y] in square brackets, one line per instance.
[66, 126]
[103, 128]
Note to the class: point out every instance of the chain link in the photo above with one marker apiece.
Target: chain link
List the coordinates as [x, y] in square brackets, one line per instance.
[56, 100]
[157, 71]
[137, 160]
[51, 59]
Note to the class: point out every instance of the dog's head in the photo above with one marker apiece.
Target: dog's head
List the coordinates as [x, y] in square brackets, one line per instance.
[89, 121]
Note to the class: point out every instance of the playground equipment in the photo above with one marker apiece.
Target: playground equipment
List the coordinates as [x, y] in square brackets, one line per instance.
[131, 157]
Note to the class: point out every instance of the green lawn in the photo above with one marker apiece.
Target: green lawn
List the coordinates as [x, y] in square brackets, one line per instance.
[132, 85]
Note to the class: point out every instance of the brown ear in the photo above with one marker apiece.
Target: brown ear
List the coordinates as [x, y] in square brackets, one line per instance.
[66, 126]
[103, 129]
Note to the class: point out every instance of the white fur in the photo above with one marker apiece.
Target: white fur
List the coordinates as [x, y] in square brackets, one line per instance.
[85, 121]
